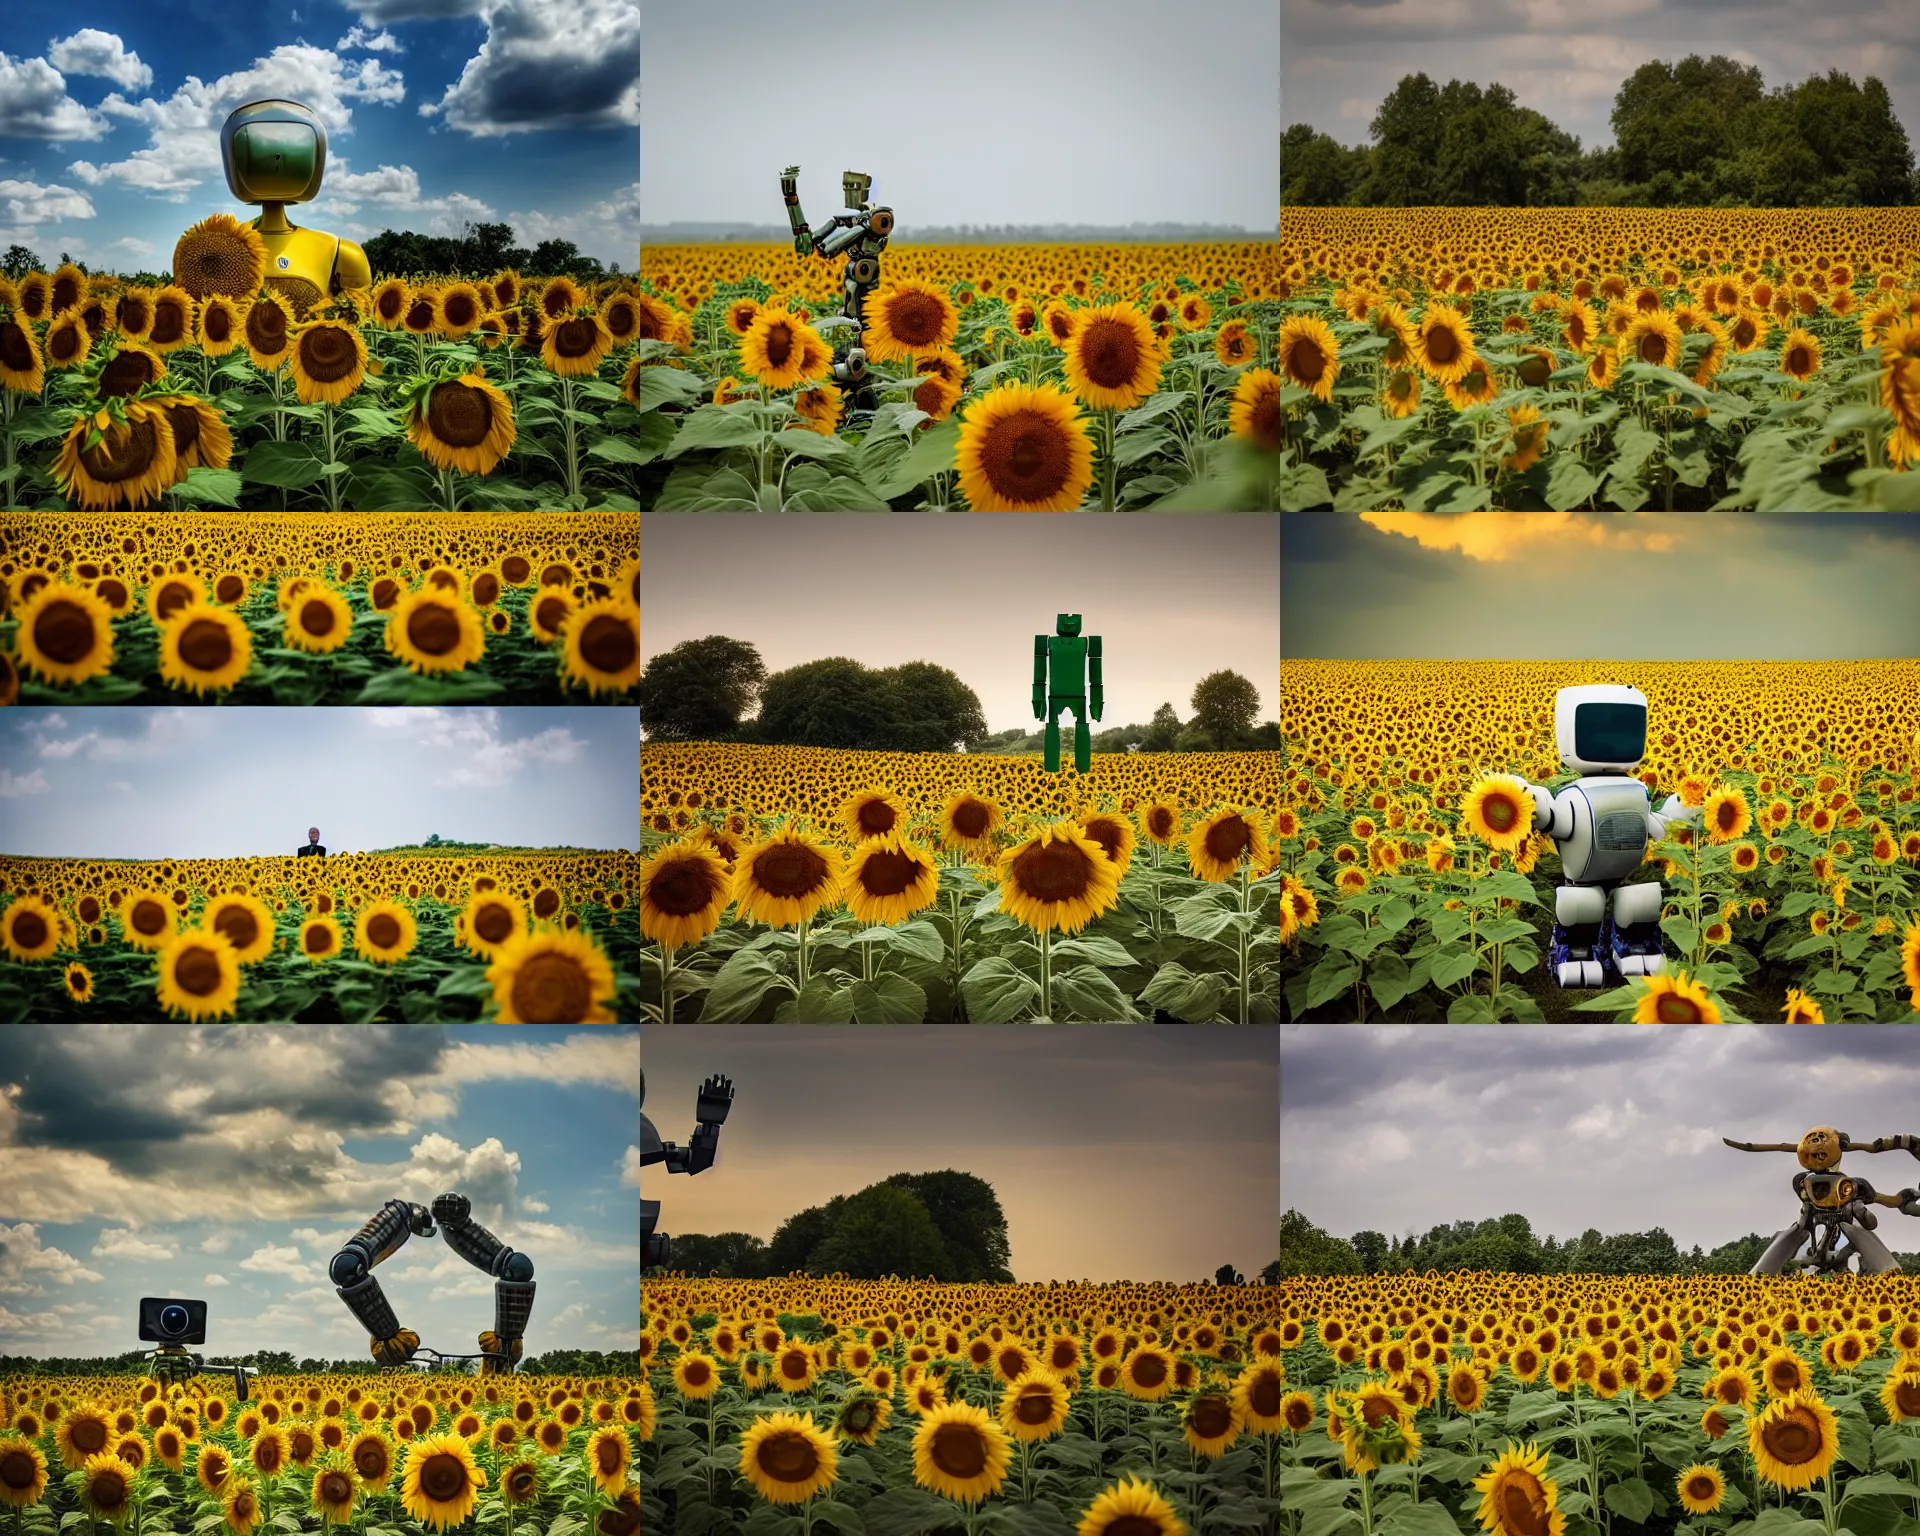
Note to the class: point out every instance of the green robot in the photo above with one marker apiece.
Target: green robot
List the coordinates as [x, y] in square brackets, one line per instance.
[1072, 660]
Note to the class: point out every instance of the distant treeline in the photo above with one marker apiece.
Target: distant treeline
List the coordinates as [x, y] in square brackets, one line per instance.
[276, 1362]
[1702, 133]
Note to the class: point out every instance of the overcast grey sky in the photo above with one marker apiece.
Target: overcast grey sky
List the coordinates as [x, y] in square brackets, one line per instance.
[1567, 58]
[1633, 586]
[143, 782]
[1118, 1152]
[1173, 599]
[996, 112]
[1397, 1129]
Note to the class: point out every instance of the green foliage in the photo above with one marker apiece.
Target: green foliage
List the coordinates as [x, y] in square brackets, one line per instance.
[1508, 1245]
[483, 248]
[699, 690]
[838, 702]
[884, 1230]
[1306, 1250]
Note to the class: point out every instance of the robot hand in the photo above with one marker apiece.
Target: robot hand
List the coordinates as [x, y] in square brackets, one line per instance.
[397, 1350]
[716, 1098]
[1671, 810]
[1909, 1202]
[1039, 704]
[492, 1344]
[172, 1365]
[1097, 704]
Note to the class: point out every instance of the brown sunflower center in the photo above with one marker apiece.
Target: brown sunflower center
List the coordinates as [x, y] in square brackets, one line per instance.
[1673, 1008]
[550, 613]
[1523, 1511]
[678, 888]
[607, 1455]
[148, 916]
[1229, 838]
[169, 322]
[135, 315]
[123, 454]
[420, 315]
[460, 310]
[197, 970]
[1026, 456]
[267, 328]
[971, 818]
[1264, 1396]
[1149, 1370]
[62, 343]
[1653, 348]
[336, 1487]
[1906, 1395]
[575, 337]
[229, 588]
[959, 1450]
[443, 1477]
[327, 353]
[317, 941]
[622, 318]
[887, 873]
[389, 303]
[493, 922]
[486, 587]
[546, 903]
[552, 988]
[108, 1489]
[1052, 872]
[63, 631]
[608, 644]
[1794, 1438]
[459, 415]
[788, 1457]
[916, 319]
[205, 645]
[1109, 352]
[1107, 834]
[1034, 1405]
[779, 344]
[1700, 1487]
[1309, 362]
[316, 617]
[240, 926]
[1212, 1417]
[433, 629]
[383, 930]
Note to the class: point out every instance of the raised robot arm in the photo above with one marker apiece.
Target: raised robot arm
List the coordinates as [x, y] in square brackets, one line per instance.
[1098, 698]
[1906, 1201]
[1039, 677]
[1670, 812]
[1551, 815]
[352, 1275]
[716, 1098]
[833, 235]
[512, 1280]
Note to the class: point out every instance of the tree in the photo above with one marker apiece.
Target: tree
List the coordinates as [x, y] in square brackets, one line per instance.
[699, 690]
[728, 1256]
[1162, 731]
[1226, 1274]
[1372, 1249]
[19, 261]
[971, 1223]
[1316, 171]
[271, 1362]
[1224, 706]
[884, 1230]
[933, 711]
[827, 703]
[796, 1238]
[1306, 1250]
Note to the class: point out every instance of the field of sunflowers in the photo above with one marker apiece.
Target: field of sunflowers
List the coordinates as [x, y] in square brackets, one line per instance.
[1414, 887]
[1523, 1405]
[1462, 359]
[319, 608]
[451, 391]
[908, 1409]
[512, 938]
[374, 1455]
[1010, 379]
[806, 885]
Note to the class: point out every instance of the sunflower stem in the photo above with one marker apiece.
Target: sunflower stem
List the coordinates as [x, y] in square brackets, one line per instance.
[666, 983]
[1046, 976]
[1107, 472]
[573, 441]
[333, 457]
[800, 962]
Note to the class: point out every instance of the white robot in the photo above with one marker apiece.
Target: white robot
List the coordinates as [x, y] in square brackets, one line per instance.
[1600, 824]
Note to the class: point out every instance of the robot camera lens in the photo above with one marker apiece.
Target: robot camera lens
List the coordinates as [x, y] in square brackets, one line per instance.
[173, 1319]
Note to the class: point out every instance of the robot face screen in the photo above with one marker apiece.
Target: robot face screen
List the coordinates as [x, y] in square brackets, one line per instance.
[1609, 733]
[1066, 624]
[276, 161]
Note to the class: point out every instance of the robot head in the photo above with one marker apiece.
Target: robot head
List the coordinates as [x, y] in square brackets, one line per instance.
[273, 151]
[1819, 1149]
[1600, 727]
[856, 187]
[1066, 624]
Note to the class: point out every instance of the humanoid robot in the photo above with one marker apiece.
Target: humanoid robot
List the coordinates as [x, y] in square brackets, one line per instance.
[716, 1098]
[383, 1236]
[1600, 823]
[274, 153]
[1063, 664]
[860, 234]
[170, 1324]
[1833, 1206]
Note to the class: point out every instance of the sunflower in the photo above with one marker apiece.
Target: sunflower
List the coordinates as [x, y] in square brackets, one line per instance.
[464, 424]
[434, 631]
[1529, 435]
[781, 350]
[1218, 843]
[30, 929]
[268, 1451]
[133, 315]
[968, 822]
[333, 1492]
[1113, 360]
[609, 1455]
[458, 310]
[83, 1432]
[240, 1505]
[200, 434]
[549, 613]
[888, 879]
[126, 466]
[696, 1376]
[1034, 1405]
[549, 977]
[146, 919]
[384, 932]
[1474, 387]
[818, 407]
[1910, 959]
[788, 1459]
[738, 315]
[489, 920]
[1675, 998]
[199, 975]
[787, 878]
[417, 318]
[106, 1488]
[1254, 414]
[1499, 810]
[1517, 1498]
[245, 921]
[1443, 344]
[204, 647]
[1024, 449]
[329, 360]
[442, 1483]
[576, 346]
[266, 329]
[1793, 1440]
[65, 633]
[389, 302]
[1130, 1508]
[1653, 336]
[1800, 354]
[603, 645]
[128, 369]
[172, 326]
[936, 396]
[684, 887]
[68, 340]
[318, 620]
[320, 938]
[1309, 356]
[1057, 879]
[1727, 814]
[1114, 833]
[1900, 1394]
[960, 1453]
[220, 255]
[215, 1466]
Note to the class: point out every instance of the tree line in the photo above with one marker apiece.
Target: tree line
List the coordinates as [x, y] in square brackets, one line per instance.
[279, 1362]
[1700, 133]
[704, 690]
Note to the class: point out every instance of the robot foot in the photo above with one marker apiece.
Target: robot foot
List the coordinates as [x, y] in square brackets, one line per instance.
[1582, 973]
[1642, 965]
[1578, 955]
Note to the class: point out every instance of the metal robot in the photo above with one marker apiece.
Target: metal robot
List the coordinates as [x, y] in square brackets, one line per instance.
[1600, 823]
[716, 1098]
[352, 1274]
[275, 153]
[1833, 1206]
[1063, 664]
[860, 234]
[170, 1324]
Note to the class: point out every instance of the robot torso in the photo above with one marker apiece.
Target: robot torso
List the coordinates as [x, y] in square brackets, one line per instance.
[1066, 665]
[1609, 821]
[300, 265]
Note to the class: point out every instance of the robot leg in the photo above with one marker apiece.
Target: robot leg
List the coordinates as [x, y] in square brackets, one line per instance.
[1052, 758]
[1575, 953]
[1634, 930]
[1082, 737]
[1779, 1253]
[1875, 1257]
[654, 1248]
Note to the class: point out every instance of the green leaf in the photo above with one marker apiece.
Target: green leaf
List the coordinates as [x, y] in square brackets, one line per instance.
[1682, 930]
[1385, 435]
[933, 451]
[1094, 947]
[1570, 483]
[718, 426]
[811, 445]
[997, 992]
[625, 450]
[1395, 915]
[1332, 976]
[887, 999]
[1471, 1008]
[1631, 1499]
[746, 977]
[465, 981]
[1141, 445]
[823, 1000]
[1879, 1482]
[1091, 994]
[214, 487]
[1190, 998]
[1388, 980]
[1453, 963]
[1160, 404]
[401, 686]
[290, 466]
[919, 940]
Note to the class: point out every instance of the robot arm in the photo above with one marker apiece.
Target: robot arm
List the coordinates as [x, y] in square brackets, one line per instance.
[1671, 811]
[1901, 1143]
[351, 268]
[1096, 683]
[1039, 677]
[1761, 1146]
[790, 191]
[352, 1275]
[716, 1098]
[512, 1279]
[1550, 814]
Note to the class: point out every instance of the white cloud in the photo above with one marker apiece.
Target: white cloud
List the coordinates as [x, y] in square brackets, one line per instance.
[22, 1254]
[216, 1242]
[34, 104]
[373, 12]
[382, 41]
[54, 721]
[165, 730]
[214, 1277]
[609, 229]
[133, 245]
[120, 784]
[25, 205]
[592, 1056]
[184, 129]
[93, 52]
[548, 64]
[123, 1243]
[272, 1260]
[12, 784]
[397, 187]
[60, 749]
[630, 1167]
[486, 758]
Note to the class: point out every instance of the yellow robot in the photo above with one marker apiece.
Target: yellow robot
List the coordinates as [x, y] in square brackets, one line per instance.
[274, 153]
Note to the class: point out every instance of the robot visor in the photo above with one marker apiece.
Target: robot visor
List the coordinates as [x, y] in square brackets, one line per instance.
[1609, 733]
[276, 162]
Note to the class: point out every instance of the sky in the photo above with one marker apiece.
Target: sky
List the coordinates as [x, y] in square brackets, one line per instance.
[152, 783]
[1397, 1129]
[1117, 1152]
[1691, 586]
[437, 112]
[996, 112]
[229, 1164]
[1173, 599]
[1568, 58]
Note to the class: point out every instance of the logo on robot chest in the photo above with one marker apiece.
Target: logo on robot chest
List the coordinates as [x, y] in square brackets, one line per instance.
[283, 263]
[1620, 832]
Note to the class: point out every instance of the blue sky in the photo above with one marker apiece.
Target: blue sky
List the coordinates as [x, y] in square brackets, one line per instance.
[229, 1163]
[148, 783]
[437, 112]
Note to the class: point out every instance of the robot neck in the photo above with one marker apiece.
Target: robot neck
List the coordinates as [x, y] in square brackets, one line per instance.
[273, 219]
